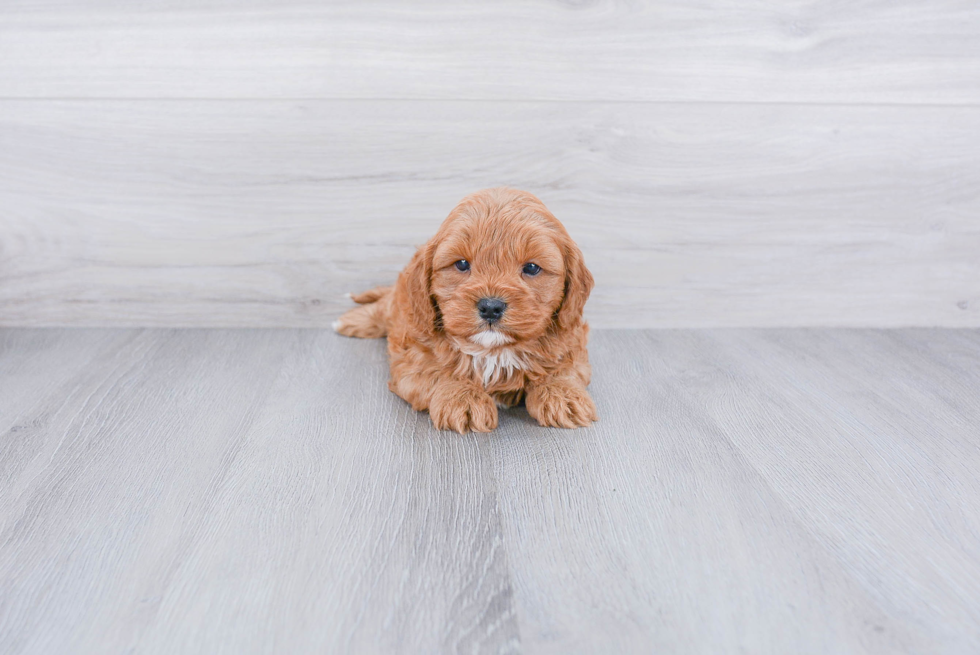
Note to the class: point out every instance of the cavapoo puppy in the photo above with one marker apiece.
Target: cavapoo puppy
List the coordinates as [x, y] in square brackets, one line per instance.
[487, 313]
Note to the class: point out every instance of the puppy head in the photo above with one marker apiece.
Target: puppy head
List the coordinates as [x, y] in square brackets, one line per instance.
[501, 269]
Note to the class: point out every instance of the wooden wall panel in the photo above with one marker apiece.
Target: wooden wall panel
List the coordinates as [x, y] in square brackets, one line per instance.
[875, 51]
[228, 213]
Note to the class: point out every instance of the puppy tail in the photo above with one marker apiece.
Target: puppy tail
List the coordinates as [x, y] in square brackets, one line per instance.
[368, 320]
[371, 295]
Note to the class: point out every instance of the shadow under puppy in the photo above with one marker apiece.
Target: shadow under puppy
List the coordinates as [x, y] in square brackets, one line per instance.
[487, 313]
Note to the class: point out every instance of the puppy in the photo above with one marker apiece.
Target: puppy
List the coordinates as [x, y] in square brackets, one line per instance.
[487, 313]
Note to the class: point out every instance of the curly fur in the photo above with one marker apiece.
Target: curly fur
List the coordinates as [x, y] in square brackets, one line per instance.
[443, 356]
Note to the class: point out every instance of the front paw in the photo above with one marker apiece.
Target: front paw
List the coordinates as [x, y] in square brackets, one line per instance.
[561, 405]
[462, 409]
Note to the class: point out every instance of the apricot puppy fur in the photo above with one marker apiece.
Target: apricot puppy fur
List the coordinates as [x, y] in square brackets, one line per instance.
[487, 313]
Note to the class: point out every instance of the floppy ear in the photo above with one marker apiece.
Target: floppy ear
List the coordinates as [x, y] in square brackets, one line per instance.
[417, 281]
[578, 286]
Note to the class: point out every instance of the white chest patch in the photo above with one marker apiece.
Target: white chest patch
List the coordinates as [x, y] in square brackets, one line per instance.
[494, 365]
[491, 362]
[489, 339]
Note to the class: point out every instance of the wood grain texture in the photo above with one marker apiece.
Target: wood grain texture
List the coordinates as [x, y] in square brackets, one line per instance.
[206, 492]
[840, 395]
[825, 478]
[263, 213]
[879, 51]
[247, 491]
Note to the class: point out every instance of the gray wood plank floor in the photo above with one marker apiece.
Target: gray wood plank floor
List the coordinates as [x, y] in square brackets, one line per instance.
[256, 491]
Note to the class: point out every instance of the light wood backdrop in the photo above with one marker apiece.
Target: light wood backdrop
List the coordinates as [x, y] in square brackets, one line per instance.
[721, 164]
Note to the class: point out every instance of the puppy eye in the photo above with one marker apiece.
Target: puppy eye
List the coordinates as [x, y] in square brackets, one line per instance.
[462, 265]
[531, 269]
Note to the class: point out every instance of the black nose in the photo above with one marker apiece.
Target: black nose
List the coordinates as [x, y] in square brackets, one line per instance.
[491, 309]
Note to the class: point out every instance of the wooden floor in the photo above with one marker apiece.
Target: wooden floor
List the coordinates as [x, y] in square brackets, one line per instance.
[259, 491]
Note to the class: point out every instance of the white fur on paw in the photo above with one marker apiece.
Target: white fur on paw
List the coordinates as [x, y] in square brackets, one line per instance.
[349, 295]
[336, 326]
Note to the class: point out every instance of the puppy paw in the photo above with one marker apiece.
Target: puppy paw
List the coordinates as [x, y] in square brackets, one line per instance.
[462, 409]
[561, 405]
